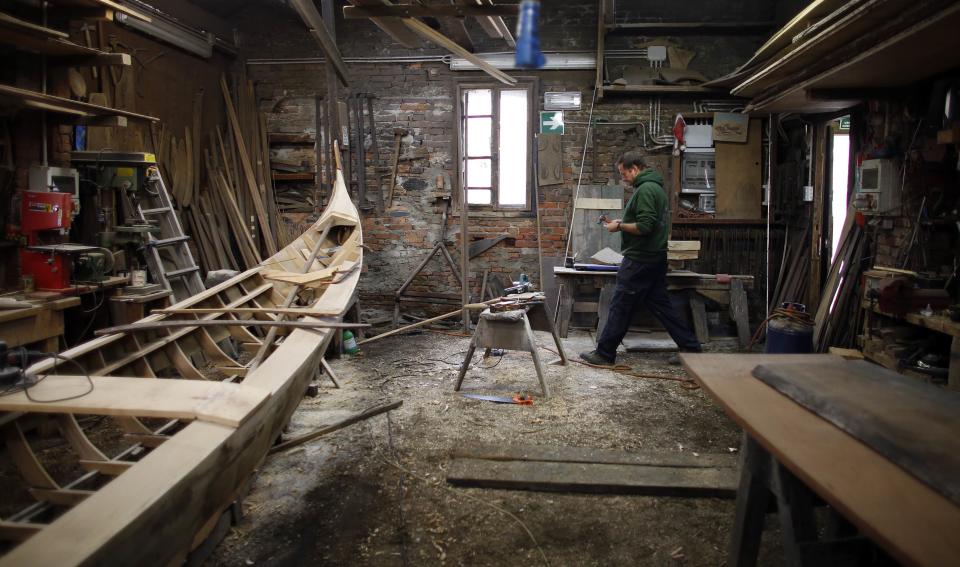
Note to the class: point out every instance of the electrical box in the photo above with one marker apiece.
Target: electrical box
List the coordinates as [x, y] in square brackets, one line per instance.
[877, 192]
[48, 178]
[698, 172]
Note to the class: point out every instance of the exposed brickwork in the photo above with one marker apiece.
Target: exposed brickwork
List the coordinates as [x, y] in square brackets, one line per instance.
[410, 98]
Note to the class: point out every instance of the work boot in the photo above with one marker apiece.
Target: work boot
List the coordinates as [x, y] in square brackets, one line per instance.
[595, 358]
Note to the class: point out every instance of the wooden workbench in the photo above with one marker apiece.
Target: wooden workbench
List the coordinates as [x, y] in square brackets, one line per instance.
[911, 521]
[40, 323]
[570, 280]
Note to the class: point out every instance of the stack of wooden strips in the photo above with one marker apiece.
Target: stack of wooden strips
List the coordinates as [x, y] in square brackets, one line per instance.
[794, 275]
[223, 188]
[839, 315]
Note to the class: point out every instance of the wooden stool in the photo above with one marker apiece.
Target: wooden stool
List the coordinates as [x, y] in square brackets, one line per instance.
[512, 330]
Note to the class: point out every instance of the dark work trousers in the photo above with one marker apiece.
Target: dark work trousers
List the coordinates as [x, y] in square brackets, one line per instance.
[642, 283]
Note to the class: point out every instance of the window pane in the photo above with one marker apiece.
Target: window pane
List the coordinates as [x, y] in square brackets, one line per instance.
[513, 148]
[478, 136]
[478, 173]
[478, 196]
[479, 103]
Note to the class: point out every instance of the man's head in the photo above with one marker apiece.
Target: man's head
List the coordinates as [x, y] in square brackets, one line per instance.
[630, 165]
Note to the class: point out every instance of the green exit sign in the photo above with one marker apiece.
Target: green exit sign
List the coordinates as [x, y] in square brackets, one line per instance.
[551, 122]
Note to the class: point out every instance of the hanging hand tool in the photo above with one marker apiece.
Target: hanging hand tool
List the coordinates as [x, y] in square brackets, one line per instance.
[398, 134]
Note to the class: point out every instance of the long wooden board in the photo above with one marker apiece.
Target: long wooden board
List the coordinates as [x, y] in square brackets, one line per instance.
[589, 455]
[913, 424]
[905, 516]
[594, 478]
[217, 402]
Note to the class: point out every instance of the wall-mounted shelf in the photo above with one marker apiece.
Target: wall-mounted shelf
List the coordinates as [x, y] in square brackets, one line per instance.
[693, 28]
[81, 111]
[109, 5]
[27, 36]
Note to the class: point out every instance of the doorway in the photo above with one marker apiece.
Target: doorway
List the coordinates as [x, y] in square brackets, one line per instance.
[839, 179]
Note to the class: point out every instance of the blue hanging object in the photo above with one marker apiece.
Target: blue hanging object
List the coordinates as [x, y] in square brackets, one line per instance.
[529, 55]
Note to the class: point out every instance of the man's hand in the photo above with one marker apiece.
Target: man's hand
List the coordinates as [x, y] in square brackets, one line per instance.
[613, 225]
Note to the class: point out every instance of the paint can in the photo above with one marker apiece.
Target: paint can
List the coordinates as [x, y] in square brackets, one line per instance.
[138, 278]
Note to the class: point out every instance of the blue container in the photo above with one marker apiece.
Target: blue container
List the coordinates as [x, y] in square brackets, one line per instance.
[789, 336]
[528, 55]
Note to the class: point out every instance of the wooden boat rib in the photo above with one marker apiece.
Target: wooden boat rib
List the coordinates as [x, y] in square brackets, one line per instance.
[164, 492]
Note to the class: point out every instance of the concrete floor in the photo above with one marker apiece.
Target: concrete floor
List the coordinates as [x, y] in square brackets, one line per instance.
[375, 493]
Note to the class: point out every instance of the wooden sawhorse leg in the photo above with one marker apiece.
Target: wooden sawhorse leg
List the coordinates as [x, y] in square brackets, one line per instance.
[532, 345]
[326, 368]
[762, 479]
[466, 362]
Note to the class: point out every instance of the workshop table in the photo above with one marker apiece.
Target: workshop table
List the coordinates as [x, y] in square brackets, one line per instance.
[42, 323]
[126, 309]
[731, 293]
[793, 447]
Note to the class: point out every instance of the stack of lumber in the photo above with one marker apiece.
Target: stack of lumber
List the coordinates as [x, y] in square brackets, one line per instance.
[223, 188]
[839, 316]
[794, 275]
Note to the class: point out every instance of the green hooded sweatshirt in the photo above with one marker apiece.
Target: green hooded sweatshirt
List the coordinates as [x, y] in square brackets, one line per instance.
[647, 208]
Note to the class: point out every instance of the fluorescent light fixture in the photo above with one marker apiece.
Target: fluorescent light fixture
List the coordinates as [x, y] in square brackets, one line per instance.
[568, 100]
[200, 44]
[507, 61]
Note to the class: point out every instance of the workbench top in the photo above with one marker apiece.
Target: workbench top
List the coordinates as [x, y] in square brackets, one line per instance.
[909, 519]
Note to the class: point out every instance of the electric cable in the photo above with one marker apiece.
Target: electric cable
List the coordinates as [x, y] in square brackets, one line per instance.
[583, 161]
[24, 385]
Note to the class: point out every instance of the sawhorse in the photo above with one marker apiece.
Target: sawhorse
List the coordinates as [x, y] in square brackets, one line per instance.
[513, 330]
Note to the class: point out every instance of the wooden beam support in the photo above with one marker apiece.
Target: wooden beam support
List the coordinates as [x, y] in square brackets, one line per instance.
[310, 16]
[436, 37]
[191, 324]
[391, 26]
[420, 11]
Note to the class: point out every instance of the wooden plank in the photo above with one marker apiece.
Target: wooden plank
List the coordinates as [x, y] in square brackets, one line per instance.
[911, 521]
[60, 497]
[739, 190]
[18, 531]
[194, 323]
[216, 402]
[391, 26]
[301, 311]
[109, 4]
[599, 204]
[310, 16]
[112, 467]
[699, 312]
[251, 180]
[594, 478]
[40, 101]
[589, 455]
[913, 424]
[436, 37]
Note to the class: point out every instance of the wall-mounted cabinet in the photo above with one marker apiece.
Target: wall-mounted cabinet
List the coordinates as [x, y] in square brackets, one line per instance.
[718, 181]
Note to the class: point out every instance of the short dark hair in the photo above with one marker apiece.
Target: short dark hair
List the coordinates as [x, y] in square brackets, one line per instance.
[632, 158]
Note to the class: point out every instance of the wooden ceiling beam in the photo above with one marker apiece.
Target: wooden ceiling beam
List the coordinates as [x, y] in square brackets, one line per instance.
[392, 26]
[421, 11]
[310, 16]
[438, 38]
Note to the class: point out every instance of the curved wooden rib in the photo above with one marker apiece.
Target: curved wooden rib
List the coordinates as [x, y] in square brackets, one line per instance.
[74, 435]
[25, 459]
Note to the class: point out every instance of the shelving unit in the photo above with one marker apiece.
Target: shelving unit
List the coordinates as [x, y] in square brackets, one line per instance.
[30, 37]
[109, 5]
[607, 26]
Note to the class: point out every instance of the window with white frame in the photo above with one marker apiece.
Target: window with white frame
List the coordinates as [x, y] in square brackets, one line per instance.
[495, 146]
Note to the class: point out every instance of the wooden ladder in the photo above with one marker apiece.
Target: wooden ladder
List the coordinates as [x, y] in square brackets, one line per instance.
[176, 269]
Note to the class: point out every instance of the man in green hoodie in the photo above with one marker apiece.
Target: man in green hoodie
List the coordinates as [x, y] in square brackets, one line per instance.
[642, 277]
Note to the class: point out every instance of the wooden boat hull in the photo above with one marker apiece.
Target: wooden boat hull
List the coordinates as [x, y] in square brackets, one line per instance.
[161, 506]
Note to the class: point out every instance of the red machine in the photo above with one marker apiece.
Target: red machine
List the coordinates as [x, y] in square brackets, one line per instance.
[43, 212]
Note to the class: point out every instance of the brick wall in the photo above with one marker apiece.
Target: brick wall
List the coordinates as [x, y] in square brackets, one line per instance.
[410, 98]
